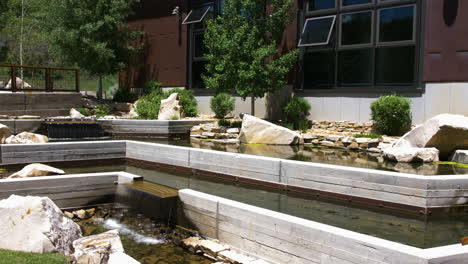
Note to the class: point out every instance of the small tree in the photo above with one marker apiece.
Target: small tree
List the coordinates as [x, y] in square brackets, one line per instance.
[243, 54]
[92, 34]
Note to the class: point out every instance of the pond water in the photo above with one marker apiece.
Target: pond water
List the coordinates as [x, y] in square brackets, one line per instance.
[412, 229]
[317, 154]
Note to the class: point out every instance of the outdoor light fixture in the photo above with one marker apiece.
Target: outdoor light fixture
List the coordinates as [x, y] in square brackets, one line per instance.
[176, 11]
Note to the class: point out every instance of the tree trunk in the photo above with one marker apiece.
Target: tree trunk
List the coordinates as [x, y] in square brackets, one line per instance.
[252, 105]
[21, 43]
[99, 92]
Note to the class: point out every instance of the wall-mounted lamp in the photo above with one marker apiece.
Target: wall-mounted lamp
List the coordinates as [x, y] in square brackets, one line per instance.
[176, 11]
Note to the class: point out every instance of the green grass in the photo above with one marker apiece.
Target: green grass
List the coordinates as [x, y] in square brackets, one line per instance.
[461, 165]
[9, 257]
[372, 135]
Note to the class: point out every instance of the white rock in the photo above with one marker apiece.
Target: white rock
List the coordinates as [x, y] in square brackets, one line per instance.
[408, 154]
[28, 117]
[257, 131]
[20, 84]
[5, 132]
[446, 132]
[460, 156]
[75, 114]
[334, 138]
[101, 249]
[27, 138]
[234, 130]
[36, 170]
[132, 113]
[36, 224]
[170, 108]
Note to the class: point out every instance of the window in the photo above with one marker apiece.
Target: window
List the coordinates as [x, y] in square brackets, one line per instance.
[374, 44]
[317, 31]
[197, 15]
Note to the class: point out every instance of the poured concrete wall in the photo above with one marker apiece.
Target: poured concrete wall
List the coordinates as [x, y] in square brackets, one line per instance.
[22, 125]
[286, 239]
[38, 104]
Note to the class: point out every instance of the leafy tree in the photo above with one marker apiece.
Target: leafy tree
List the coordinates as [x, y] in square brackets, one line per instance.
[92, 34]
[243, 48]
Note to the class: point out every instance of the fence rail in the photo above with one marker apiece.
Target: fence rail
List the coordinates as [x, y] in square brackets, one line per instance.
[38, 78]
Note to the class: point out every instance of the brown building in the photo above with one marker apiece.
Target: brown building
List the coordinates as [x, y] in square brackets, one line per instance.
[352, 51]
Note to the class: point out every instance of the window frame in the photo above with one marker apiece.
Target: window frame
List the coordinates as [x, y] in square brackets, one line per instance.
[360, 45]
[356, 6]
[208, 7]
[330, 30]
[399, 42]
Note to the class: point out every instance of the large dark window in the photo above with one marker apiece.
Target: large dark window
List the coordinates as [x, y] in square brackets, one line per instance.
[373, 43]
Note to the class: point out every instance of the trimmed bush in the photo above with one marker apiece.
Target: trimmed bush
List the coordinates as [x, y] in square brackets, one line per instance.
[101, 110]
[391, 115]
[123, 95]
[151, 86]
[222, 104]
[295, 112]
[224, 123]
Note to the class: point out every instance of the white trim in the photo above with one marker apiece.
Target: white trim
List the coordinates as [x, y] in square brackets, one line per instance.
[196, 21]
[329, 32]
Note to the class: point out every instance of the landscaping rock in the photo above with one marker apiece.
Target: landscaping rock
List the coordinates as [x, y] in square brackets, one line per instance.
[26, 117]
[132, 113]
[36, 224]
[327, 143]
[408, 154]
[257, 131]
[460, 156]
[36, 170]
[27, 138]
[170, 108]
[20, 84]
[101, 249]
[5, 132]
[75, 114]
[84, 214]
[446, 132]
[122, 107]
[233, 130]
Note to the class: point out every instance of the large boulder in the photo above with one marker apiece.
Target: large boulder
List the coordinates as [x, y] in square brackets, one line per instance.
[460, 156]
[257, 131]
[36, 224]
[408, 154]
[27, 138]
[20, 84]
[75, 114]
[170, 108]
[36, 170]
[5, 132]
[101, 249]
[445, 132]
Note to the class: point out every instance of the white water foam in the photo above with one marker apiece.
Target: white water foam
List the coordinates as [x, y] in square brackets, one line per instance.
[124, 230]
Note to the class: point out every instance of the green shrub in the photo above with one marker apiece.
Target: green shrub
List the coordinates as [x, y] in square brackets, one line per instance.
[101, 110]
[236, 124]
[295, 112]
[187, 101]
[151, 86]
[224, 123]
[222, 104]
[174, 117]
[84, 111]
[391, 115]
[371, 135]
[123, 95]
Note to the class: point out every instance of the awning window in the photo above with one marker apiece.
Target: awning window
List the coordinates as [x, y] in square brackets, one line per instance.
[317, 31]
[197, 15]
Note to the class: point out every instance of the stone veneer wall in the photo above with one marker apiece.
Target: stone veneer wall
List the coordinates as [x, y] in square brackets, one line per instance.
[343, 126]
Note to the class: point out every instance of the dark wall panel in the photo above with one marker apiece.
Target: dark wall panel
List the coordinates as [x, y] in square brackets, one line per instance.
[446, 41]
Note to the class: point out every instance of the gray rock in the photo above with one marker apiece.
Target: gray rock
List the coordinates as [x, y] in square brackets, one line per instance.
[408, 154]
[36, 170]
[36, 224]
[460, 156]
[75, 114]
[5, 133]
[26, 138]
[446, 132]
[170, 108]
[257, 131]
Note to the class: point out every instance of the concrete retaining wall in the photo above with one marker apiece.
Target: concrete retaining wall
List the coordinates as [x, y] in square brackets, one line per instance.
[282, 238]
[68, 190]
[38, 104]
[128, 127]
[22, 125]
[49, 152]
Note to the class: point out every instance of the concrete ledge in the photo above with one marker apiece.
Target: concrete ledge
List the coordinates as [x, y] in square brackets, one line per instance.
[165, 154]
[286, 239]
[19, 125]
[68, 190]
[148, 128]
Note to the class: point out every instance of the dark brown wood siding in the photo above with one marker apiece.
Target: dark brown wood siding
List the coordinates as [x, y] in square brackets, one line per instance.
[163, 57]
[446, 41]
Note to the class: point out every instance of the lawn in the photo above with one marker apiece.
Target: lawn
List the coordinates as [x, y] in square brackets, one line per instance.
[9, 257]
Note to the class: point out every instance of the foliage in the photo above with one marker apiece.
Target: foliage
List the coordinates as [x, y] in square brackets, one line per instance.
[93, 35]
[101, 110]
[150, 86]
[8, 256]
[124, 95]
[174, 117]
[237, 124]
[224, 123]
[84, 111]
[371, 135]
[296, 110]
[391, 114]
[242, 44]
[222, 104]
[148, 105]
[187, 101]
